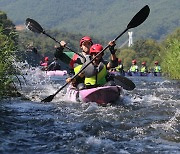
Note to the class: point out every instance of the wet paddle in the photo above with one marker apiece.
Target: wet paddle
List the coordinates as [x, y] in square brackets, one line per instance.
[35, 27]
[124, 82]
[138, 19]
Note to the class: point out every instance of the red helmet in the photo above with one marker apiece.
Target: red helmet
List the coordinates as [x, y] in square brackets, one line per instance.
[119, 60]
[134, 61]
[46, 58]
[156, 62]
[96, 48]
[143, 63]
[85, 38]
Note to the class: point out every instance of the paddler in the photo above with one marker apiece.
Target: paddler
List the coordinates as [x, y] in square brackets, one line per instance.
[144, 69]
[72, 59]
[157, 68]
[134, 67]
[119, 67]
[45, 64]
[75, 61]
[96, 73]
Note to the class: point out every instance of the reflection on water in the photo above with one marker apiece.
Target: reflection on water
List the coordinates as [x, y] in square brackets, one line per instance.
[146, 120]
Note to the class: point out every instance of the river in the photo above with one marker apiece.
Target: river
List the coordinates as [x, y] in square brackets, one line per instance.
[145, 120]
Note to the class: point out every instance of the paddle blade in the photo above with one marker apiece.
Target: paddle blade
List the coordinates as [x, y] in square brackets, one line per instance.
[33, 26]
[139, 18]
[124, 82]
[48, 99]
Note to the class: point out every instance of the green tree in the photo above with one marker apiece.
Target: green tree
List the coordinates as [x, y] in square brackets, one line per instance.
[147, 50]
[126, 55]
[7, 48]
[171, 55]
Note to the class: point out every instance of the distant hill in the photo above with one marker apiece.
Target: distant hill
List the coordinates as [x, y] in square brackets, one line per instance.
[99, 18]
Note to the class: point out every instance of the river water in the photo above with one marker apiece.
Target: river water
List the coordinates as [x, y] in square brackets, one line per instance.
[145, 120]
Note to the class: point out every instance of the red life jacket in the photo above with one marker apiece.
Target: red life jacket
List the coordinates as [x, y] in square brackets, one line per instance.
[73, 60]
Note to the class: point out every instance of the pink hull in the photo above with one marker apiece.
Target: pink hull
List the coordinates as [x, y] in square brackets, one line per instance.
[56, 73]
[100, 95]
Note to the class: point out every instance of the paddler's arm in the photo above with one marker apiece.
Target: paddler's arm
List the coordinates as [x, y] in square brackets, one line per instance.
[64, 56]
[113, 59]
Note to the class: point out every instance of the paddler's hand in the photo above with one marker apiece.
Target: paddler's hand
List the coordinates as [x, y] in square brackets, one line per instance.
[112, 44]
[81, 75]
[68, 80]
[59, 49]
[62, 44]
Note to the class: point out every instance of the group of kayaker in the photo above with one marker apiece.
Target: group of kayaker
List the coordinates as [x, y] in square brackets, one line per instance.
[135, 68]
[144, 69]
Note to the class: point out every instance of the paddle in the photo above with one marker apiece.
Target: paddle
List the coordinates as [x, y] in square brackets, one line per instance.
[35, 27]
[124, 82]
[138, 19]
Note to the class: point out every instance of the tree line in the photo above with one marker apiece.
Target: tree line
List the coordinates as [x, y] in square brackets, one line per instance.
[148, 50]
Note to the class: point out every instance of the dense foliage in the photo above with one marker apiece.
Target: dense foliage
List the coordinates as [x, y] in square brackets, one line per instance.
[171, 56]
[7, 48]
[98, 18]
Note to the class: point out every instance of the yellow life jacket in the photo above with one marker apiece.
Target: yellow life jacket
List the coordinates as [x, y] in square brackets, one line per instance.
[157, 69]
[143, 69]
[134, 68]
[77, 69]
[98, 78]
[119, 68]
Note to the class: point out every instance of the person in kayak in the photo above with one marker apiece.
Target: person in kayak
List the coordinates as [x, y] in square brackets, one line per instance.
[72, 59]
[157, 68]
[134, 67]
[75, 61]
[96, 73]
[45, 64]
[120, 67]
[144, 69]
[54, 65]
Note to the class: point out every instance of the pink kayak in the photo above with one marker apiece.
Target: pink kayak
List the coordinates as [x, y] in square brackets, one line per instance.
[100, 95]
[57, 73]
